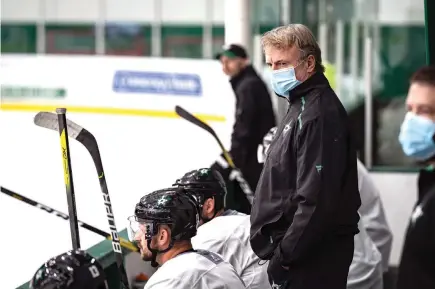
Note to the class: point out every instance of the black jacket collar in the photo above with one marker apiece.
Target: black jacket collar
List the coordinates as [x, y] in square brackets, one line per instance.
[426, 181]
[317, 80]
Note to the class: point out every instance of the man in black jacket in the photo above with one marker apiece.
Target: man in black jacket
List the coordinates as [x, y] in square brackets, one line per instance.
[417, 137]
[305, 212]
[254, 117]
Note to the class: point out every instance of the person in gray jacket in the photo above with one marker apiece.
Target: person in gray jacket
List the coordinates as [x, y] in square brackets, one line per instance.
[373, 215]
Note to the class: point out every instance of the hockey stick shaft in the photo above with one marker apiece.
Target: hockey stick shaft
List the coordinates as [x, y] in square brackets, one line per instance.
[89, 141]
[69, 184]
[236, 172]
[47, 120]
[124, 243]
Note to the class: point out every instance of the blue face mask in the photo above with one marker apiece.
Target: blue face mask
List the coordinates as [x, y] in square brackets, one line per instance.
[416, 137]
[284, 80]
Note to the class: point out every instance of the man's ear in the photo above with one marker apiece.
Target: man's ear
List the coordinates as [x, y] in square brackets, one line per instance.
[209, 206]
[164, 236]
[311, 64]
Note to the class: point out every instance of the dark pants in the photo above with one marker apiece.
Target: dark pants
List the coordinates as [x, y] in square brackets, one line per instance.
[326, 269]
[236, 199]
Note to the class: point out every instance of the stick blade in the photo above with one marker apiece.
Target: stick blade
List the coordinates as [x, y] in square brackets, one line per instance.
[193, 119]
[49, 120]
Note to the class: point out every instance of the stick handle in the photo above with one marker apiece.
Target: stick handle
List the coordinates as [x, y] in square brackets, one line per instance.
[68, 178]
[124, 243]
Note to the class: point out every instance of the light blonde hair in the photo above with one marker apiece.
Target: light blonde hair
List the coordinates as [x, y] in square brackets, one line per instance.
[299, 35]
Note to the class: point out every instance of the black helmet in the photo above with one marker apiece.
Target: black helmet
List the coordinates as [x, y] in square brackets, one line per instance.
[74, 269]
[203, 184]
[172, 207]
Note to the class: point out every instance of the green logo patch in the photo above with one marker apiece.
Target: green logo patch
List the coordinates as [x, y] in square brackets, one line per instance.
[21, 92]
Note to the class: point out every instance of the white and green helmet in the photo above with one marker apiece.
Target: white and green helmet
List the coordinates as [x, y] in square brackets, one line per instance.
[264, 146]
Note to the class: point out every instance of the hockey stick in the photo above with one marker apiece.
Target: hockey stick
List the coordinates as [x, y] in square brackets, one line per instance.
[236, 172]
[67, 171]
[124, 243]
[48, 120]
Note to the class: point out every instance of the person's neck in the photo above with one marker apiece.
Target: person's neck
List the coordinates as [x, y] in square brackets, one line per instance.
[309, 75]
[178, 248]
[239, 73]
[315, 80]
[219, 213]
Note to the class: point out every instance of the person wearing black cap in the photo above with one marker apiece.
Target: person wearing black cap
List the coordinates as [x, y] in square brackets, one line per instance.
[254, 117]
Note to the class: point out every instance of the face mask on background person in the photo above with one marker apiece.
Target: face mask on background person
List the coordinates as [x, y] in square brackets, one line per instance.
[284, 80]
[417, 137]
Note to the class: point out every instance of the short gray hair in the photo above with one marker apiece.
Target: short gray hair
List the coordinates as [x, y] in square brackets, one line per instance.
[298, 35]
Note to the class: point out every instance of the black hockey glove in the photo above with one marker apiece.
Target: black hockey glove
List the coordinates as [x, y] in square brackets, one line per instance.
[222, 166]
[278, 275]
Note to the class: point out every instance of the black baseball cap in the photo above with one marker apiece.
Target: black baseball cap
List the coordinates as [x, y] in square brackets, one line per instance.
[233, 51]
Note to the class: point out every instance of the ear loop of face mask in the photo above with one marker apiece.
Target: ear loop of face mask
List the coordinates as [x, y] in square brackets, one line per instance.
[302, 59]
[297, 65]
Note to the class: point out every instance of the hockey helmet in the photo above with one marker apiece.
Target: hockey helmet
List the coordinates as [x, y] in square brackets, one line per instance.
[74, 269]
[264, 146]
[172, 207]
[203, 184]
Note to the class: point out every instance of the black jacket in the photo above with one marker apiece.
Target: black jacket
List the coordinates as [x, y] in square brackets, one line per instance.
[254, 117]
[417, 265]
[307, 198]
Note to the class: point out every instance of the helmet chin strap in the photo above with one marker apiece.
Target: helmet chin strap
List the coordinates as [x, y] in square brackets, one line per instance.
[205, 219]
[154, 252]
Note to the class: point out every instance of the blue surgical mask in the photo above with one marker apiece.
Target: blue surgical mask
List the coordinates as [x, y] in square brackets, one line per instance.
[284, 80]
[416, 137]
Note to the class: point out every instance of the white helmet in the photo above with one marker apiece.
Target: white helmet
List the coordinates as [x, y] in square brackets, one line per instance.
[263, 147]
